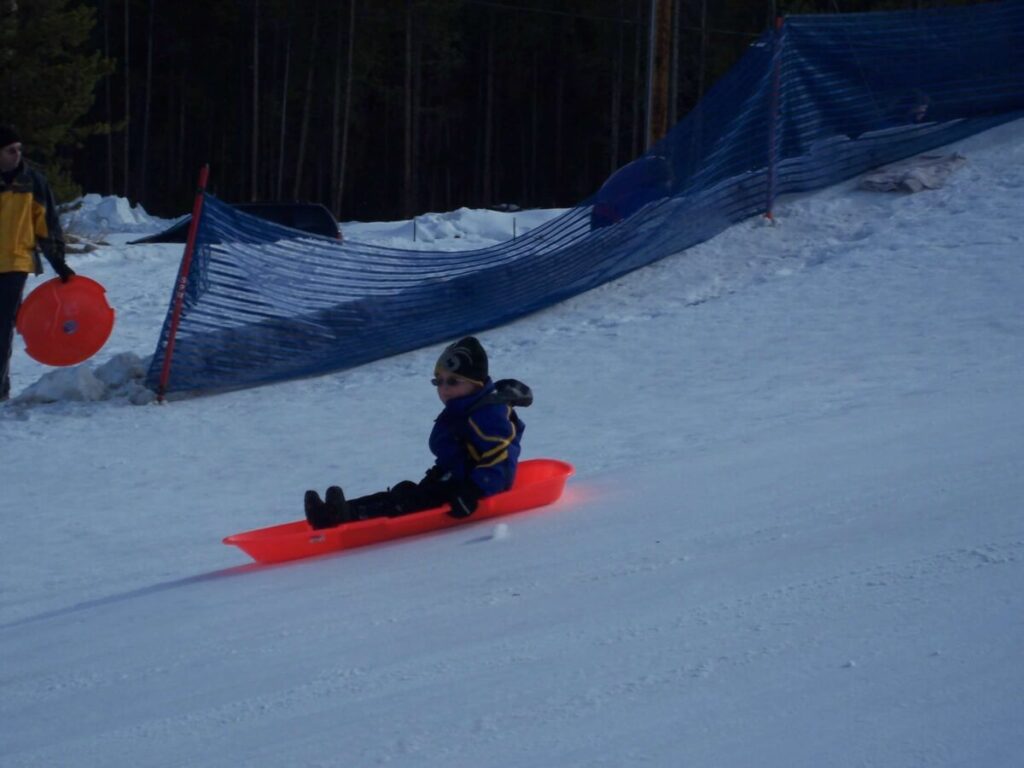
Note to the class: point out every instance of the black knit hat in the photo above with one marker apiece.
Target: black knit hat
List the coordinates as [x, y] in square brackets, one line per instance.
[466, 359]
[8, 135]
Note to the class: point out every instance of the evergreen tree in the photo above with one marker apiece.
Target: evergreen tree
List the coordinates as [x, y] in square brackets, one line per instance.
[48, 76]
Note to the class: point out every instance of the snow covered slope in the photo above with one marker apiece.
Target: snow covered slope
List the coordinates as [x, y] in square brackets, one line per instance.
[795, 537]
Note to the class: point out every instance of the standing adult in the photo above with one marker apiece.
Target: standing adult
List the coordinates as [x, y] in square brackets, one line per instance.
[28, 224]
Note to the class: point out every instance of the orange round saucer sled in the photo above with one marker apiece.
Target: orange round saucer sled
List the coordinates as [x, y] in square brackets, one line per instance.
[65, 323]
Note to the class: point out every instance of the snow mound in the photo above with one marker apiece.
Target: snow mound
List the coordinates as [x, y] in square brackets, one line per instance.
[96, 215]
[120, 378]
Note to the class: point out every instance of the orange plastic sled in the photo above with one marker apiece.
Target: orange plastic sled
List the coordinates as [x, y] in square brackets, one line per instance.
[538, 482]
[65, 323]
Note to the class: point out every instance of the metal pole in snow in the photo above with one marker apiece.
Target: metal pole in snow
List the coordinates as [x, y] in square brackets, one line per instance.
[774, 117]
[182, 284]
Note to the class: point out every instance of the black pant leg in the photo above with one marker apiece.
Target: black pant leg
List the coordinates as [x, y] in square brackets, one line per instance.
[414, 497]
[401, 499]
[381, 504]
[12, 285]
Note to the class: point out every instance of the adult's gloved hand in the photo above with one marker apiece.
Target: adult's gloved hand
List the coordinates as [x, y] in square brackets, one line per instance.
[64, 272]
[464, 498]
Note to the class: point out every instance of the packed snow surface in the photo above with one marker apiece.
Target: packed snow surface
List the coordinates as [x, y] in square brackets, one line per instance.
[795, 536]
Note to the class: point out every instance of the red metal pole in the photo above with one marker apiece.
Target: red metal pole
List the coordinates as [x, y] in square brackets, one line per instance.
[179, 289]
[776, 84]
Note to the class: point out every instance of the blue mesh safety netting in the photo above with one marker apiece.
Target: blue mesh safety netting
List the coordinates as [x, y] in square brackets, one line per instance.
[813, 102]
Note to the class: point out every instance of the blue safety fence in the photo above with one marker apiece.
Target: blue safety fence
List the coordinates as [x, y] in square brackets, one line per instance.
[815, 101]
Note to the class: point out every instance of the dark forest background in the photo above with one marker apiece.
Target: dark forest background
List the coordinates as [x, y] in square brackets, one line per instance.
[377, 108]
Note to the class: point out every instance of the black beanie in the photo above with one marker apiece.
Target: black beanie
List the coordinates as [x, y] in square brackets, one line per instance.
[465, 358]
[8, 136]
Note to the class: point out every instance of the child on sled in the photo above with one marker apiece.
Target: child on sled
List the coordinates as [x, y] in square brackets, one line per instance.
[475, 442]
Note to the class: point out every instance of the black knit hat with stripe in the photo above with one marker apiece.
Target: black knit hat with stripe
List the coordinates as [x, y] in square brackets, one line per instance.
[465, 358]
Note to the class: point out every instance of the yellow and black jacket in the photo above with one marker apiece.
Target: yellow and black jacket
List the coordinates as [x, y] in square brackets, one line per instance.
[28, 222]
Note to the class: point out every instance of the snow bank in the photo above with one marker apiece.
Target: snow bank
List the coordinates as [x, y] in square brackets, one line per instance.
[121, 377]
[95, 216]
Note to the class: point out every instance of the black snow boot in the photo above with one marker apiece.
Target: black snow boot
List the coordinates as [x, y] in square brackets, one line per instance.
[337, 507]
[317, 514]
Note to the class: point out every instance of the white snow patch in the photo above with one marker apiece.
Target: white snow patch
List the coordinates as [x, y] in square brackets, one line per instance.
[462, 229]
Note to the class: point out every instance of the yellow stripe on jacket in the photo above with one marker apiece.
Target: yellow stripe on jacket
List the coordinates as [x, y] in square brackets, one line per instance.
[493, 454]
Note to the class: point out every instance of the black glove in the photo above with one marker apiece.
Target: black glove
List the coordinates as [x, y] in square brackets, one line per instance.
[463, 499]
[435, 474]
[64, 272]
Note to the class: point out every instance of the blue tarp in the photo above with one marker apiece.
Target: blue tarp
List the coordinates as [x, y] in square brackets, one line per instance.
[819, 100]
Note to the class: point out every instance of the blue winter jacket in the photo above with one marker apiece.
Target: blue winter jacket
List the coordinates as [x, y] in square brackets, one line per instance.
[477, 439]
